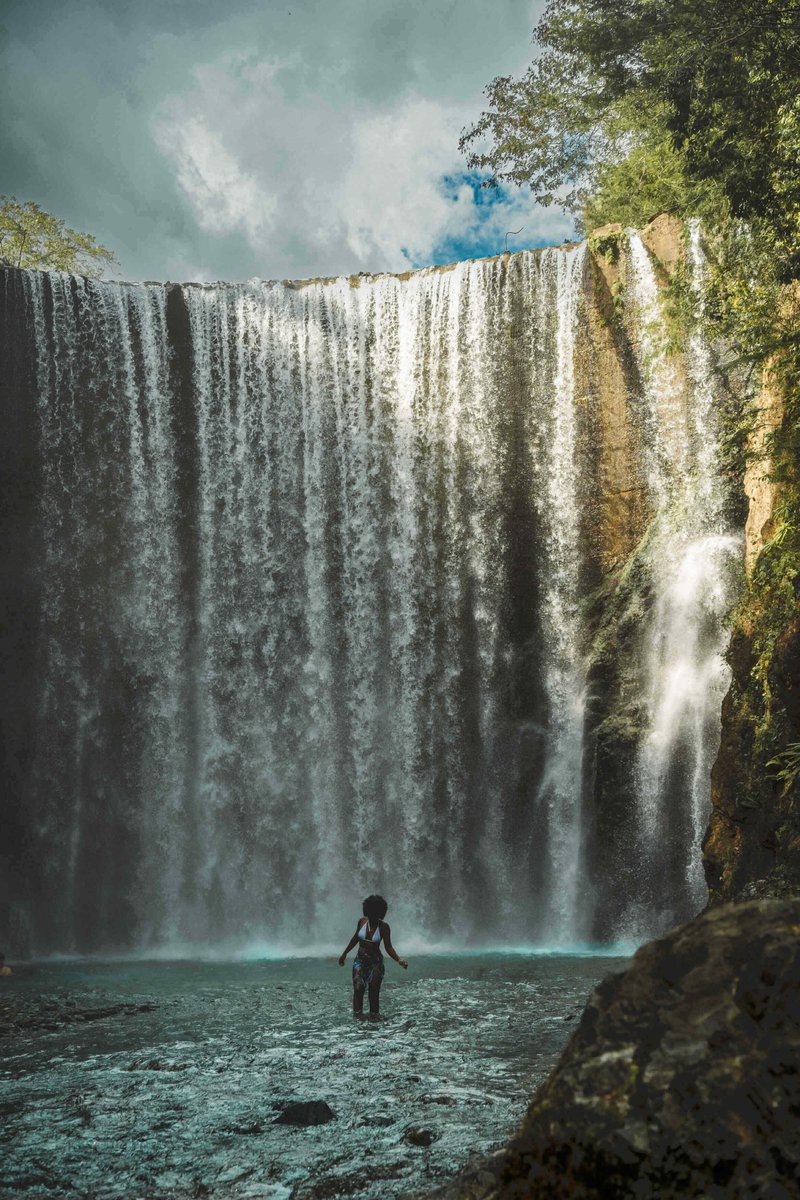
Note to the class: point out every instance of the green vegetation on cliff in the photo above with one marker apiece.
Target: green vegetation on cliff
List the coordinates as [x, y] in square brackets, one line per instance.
[692, 107]
[753, 843]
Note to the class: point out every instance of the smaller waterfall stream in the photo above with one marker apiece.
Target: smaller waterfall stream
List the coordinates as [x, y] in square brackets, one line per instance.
[694, 556]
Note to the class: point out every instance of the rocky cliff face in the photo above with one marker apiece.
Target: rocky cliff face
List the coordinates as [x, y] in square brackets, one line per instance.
[752, 846]
[752, 843]
[681, 1080]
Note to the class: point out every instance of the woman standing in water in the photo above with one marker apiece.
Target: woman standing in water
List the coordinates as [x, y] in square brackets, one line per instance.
[368, 969]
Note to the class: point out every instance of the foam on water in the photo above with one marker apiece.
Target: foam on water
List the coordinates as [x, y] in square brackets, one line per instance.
[184, 1096]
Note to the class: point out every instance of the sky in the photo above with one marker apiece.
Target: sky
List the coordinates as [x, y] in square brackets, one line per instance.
[277, 139]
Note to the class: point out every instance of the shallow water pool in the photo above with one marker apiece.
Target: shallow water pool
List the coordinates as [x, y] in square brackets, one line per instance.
[181, 1100]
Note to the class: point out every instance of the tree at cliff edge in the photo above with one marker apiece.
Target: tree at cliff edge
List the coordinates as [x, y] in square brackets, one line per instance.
[31, 237]
[633, 107]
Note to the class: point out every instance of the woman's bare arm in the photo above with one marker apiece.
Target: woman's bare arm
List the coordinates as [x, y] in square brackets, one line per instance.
[390, 950]
[353, 942]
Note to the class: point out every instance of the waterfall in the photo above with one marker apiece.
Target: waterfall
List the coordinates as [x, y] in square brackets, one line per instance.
[693, 557]
[311, 563]
[563, 669]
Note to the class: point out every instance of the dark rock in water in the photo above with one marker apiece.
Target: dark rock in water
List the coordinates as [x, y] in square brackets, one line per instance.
[419, 1137]
[306, 1112]
[682, 1080]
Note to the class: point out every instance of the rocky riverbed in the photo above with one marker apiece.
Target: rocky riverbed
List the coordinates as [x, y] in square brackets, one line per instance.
[253, 1080]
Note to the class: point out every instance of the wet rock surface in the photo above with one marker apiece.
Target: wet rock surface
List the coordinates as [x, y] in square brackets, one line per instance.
[752, 845]
[306, 1112]
[682, 1080]
[415, 1136]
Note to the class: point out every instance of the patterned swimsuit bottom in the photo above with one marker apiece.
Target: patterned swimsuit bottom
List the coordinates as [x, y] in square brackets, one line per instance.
[368, 967]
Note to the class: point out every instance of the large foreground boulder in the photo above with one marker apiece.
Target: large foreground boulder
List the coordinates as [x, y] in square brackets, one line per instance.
[682, 1079]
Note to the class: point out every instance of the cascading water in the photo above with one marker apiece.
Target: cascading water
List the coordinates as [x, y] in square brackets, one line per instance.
[563, 669]
[310, 563]
[693, 555]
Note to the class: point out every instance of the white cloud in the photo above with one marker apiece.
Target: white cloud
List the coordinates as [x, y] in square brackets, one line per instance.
[319, 183]
[403, 195]
[391, 201]
[279, 139]
[226, 198]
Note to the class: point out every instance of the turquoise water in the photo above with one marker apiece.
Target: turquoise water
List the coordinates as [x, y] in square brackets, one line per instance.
[181, 1101]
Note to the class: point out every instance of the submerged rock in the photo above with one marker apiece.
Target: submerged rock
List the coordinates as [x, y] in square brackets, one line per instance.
[682, 1079]
[19, 1013]
[305, 1112]
[416, 1136]
[156, 1064]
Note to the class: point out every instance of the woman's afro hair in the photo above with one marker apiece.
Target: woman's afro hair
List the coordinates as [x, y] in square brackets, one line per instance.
[374, 908]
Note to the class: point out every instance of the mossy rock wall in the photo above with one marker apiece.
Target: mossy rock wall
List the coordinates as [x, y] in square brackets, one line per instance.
[752, 846]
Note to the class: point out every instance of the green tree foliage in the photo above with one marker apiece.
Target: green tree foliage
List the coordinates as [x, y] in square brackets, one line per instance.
[649, 179]
[787, 764]
[696, 103]
[31, 237]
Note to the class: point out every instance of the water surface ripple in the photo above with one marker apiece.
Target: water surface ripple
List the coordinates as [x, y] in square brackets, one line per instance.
[181, 1100]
